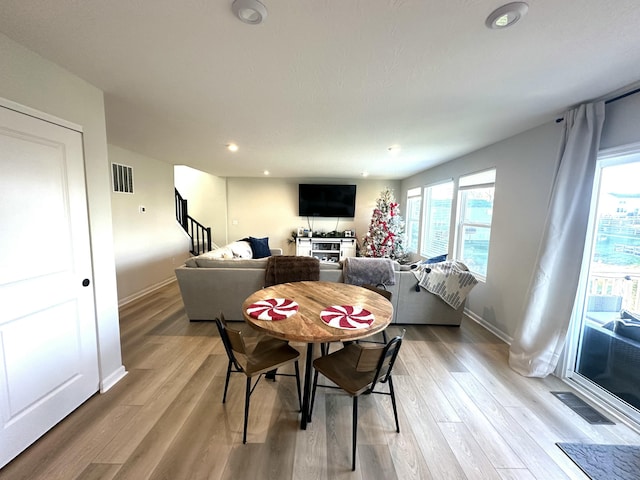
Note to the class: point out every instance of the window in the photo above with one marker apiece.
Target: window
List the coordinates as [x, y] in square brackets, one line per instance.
[475, 211]
[437, 219]
[412, 223]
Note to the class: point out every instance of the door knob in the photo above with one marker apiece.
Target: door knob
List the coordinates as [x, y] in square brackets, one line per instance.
[86, 282]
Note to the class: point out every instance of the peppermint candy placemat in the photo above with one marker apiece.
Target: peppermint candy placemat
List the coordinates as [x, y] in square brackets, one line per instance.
[272, 309]
[348, 317]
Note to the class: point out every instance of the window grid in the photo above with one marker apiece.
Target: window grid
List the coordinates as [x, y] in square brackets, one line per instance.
[414, 203]
[437, 219]
[474, 222]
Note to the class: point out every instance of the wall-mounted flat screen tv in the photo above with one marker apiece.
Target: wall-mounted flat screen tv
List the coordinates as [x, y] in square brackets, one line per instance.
[317, 200]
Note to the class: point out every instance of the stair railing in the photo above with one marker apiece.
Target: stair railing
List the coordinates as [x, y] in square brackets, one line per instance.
[199, 234]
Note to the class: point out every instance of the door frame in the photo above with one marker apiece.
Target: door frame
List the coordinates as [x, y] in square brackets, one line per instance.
[566, 366]
[17, 107]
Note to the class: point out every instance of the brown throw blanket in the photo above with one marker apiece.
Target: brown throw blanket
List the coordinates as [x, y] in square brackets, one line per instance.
[289, 268]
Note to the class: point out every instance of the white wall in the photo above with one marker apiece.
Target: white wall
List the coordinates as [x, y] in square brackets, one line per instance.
[525, 167]
[30, 80]
[268, 207]
[206, 197]
[524, 170]
[150, 245]
[622, 119]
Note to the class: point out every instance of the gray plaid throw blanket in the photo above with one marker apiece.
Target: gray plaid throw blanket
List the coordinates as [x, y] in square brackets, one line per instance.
[361, 270]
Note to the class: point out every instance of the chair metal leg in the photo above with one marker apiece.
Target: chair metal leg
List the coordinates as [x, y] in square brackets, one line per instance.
[313, 392]
[298, 384]
[355, 432]
[393, 402]
[246, 409]
[226, 383]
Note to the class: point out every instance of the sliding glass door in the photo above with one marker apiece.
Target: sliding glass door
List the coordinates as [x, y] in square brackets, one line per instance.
[608, 352]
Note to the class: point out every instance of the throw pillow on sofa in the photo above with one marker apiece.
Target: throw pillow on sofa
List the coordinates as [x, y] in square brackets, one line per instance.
[260, 247]
[241, 249]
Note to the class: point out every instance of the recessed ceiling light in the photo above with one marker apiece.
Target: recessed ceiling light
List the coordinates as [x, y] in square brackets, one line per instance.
[266, 172]
[365, 174]
[506, 15]
[249, 11]
[232, 147]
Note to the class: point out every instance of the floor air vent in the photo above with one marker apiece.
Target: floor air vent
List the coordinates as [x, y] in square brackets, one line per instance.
[582, 408]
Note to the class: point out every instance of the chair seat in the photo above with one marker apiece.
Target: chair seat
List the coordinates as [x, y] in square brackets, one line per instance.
[268, 354]
[340, 368]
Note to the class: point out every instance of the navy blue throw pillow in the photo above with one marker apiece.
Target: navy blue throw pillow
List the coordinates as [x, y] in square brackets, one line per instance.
[438, 259]
[260, 247]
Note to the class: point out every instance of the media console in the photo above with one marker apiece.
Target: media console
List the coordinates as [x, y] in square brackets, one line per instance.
[326, 249]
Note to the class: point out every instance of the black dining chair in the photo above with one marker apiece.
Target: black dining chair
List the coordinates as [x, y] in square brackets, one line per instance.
[255, 357]
[381, 290]
[357, 369]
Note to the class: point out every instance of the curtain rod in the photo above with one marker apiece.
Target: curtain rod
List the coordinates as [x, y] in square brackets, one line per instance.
[624, 95]
[611, 100]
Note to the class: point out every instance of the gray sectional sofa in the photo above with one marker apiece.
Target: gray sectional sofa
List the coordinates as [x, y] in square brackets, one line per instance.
[211, 285]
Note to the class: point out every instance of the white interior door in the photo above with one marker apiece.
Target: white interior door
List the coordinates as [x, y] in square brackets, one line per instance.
[48, 345]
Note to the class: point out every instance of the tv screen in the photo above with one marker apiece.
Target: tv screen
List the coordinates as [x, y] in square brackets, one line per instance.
[316, 200]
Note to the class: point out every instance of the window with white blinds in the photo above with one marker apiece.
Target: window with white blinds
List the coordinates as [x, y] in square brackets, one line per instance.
[436, 219]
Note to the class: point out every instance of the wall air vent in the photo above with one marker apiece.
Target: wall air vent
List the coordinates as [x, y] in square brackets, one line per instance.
[122, 176]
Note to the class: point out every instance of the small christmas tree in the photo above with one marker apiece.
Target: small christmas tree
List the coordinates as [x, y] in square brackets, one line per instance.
[386, 231]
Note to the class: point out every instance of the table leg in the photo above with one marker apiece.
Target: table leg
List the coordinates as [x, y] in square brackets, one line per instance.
[306, 394]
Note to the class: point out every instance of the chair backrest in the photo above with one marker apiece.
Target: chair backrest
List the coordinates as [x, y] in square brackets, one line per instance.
[386, 360]
[231, 339]
[379, 289]
[291, 268]
[379, 359]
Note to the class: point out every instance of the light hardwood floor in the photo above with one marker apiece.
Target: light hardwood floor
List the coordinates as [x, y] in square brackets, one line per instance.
[464, 414]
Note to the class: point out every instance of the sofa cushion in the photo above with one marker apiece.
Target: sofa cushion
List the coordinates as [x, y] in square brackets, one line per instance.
[628, 328]
[206, 262]
[260, 247]
[627, 315]
[222, 252]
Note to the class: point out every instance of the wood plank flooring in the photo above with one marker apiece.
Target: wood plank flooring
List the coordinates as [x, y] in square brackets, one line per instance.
[464, 414]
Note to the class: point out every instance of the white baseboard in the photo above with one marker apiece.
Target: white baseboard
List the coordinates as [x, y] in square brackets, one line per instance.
[498, 333]
[112, 379]
[146, 291]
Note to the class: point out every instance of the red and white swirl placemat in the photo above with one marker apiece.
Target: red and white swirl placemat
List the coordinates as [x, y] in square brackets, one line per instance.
[272, 309]
[347, 317]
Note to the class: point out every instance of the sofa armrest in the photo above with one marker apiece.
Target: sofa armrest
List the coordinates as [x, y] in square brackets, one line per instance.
[276, 252]
[422, 307]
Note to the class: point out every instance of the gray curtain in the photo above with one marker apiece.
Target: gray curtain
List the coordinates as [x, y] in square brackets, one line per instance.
[539, 340]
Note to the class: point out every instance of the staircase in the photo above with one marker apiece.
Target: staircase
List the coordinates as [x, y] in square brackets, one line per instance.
[199, 234]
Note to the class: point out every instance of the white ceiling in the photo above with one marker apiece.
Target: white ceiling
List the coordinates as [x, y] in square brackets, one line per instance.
[323, 87]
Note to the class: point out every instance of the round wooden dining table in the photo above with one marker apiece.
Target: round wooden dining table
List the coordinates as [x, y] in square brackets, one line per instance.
[305, 325]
